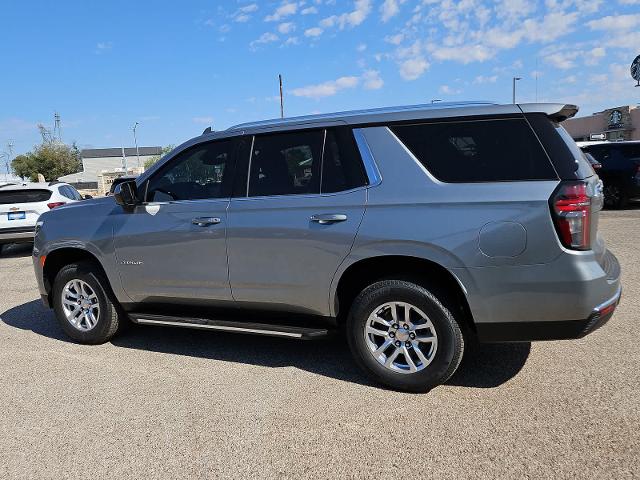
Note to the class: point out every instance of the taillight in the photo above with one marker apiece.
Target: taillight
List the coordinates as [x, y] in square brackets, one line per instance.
[53, 205]
[571, 207]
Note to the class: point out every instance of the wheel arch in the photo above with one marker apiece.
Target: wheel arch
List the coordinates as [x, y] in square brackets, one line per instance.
[423, 272]
[59, 258]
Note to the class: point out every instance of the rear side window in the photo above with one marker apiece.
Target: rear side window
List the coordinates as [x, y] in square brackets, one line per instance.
[24, 196]
[342, 167]
[477, 151]
[286, 163]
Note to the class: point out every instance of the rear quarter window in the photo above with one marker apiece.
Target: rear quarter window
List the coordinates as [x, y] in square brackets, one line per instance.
[478, 151]
[24, 196]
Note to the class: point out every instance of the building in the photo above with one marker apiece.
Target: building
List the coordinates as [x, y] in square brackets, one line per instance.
[613, 124]
[95, 161]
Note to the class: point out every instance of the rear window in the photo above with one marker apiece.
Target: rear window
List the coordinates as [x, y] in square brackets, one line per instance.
[478, 151]
[562, 149]
[24, 196]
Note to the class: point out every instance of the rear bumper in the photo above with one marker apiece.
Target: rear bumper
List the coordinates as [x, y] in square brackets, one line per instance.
[550, 330]
[18, 234]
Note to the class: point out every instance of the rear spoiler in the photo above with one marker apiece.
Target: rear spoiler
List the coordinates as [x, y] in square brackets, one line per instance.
[558, 112]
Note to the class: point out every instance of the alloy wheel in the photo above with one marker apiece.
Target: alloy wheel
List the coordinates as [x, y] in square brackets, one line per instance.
[401, 337]
[80, 305]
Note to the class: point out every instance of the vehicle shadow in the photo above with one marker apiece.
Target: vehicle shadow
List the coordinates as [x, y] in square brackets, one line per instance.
[16, 250]
[488, 366]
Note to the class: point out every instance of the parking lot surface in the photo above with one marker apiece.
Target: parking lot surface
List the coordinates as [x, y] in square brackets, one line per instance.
[168, 403]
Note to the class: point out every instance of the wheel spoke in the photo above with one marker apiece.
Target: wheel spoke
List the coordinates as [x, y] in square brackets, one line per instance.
[376, 331]
[409, 360]
[382, 347]
[379, 319]
[390, 359]
[407, 313]
[394, 312]
[421, 356]
[422, 326]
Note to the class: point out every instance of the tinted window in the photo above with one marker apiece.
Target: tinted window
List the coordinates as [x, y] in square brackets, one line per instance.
[69, 192]
[286, 164]
[631, 152]
[342, 167]
[24, 196]
[202, 172]
[478, 151]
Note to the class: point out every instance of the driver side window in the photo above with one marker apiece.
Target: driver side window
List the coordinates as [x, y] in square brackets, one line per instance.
[201, 172]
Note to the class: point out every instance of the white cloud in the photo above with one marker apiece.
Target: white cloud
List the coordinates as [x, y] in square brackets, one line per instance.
[292, 41]
[464, 54]
[362, 9]
[266, 37]
[284, 10]
[309, 11]
[103, 47]
[481, 79]
[389, 9]
[203, 120]
[447, 90]
[570, 79]
[562, 60]
[249, 8]
[326, 89]
[593, 56]
[313, 32]
[361, 47]
[372, 80]
[616, 22]
[394, 39]
[286, 27]
[413, 68]
[241, 18]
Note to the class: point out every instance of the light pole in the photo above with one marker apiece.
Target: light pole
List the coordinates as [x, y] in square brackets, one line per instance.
[515, 79]
[135, 139]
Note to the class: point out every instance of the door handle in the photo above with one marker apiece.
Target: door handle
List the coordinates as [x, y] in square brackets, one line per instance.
[327, 218]
[205, 221]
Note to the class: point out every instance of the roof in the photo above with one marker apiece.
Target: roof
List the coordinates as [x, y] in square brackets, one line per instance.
[31, 186]
[560, 111]
[117, 152]
[589, 143]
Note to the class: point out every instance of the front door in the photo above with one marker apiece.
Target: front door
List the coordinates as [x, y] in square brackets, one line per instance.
[173, 247]
[305, 201]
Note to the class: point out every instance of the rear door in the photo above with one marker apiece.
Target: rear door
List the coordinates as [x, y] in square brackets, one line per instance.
[297, 218]
[20, 208]
[172, 249]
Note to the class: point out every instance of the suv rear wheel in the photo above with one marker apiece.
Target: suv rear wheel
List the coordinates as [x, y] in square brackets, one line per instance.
[614, 196]
[84, 304]
[402, 336]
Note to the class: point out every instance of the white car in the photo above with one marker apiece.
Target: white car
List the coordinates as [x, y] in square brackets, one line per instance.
[22, 204]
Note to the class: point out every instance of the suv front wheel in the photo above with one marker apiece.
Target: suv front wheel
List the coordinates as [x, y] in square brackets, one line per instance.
[84, 304]
[402, 336]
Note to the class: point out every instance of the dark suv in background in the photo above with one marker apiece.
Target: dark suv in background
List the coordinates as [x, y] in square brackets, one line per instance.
[620, 171]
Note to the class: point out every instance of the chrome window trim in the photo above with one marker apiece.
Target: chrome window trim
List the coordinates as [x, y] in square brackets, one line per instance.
[370, 166]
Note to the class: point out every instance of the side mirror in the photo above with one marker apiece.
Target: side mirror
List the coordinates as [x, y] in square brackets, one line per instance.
[87, 197]
[126, 194]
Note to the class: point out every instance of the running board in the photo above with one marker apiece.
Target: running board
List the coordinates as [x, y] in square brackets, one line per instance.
[283, 331]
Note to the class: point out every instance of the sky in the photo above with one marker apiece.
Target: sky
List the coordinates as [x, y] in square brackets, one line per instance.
[177, 67]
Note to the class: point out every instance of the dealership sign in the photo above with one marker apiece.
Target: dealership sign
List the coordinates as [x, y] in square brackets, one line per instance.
[635, 70]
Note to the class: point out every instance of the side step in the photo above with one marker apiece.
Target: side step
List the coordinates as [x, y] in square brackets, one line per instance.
[271, 330]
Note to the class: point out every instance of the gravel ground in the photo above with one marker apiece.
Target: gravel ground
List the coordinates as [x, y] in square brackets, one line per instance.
[168, 403]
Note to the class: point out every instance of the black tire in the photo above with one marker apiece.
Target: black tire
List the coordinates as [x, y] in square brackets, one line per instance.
[110, 318]
[450, 342]
[614, 196]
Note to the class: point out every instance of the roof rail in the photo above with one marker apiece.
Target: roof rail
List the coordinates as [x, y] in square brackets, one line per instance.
[54, 182]
[354, 113]
[207, 130]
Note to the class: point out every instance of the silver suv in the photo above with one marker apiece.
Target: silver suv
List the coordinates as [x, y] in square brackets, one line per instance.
[414, 230]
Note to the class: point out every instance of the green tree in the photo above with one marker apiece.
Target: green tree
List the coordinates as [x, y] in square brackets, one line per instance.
[52, 160]
[155, 158]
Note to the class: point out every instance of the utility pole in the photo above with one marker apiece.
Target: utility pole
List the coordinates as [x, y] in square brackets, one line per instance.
[57, 128]
[135, 139]
[281, 98]
[515, 79]
[6, 175]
